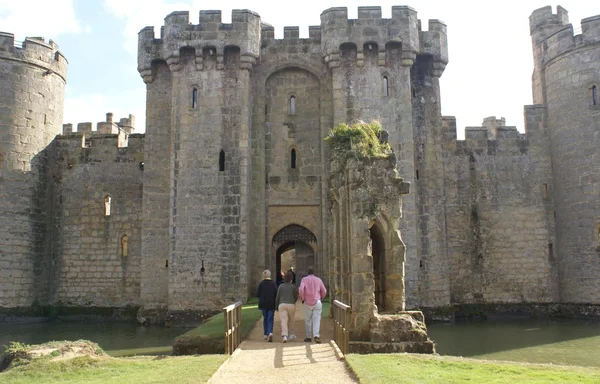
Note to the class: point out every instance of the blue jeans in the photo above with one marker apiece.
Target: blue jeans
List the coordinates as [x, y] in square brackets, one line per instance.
[268, 316]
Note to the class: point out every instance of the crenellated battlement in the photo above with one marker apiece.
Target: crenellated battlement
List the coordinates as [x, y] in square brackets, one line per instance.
[544, 18]
[80, 148]
[35, 51]
[291, 37]
[402, 28]
[121, 130]
[557, 37]
[210, 37]
[493, 137]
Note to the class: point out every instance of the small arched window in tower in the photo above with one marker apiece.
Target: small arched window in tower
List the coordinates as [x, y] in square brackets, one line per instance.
[293, 159]
[594, 95]
[124, 246]
[195, 98]
[107, 201]
[385, 87]
[221, 161]
[292, 105]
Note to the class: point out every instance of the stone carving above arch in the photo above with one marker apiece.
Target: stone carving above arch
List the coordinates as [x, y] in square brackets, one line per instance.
[293, 232]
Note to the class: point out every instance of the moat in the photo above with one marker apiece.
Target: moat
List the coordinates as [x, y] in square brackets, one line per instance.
[117, 339]
[560, 342]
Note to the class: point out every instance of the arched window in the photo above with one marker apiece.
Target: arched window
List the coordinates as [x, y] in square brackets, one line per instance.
[194, 98]
[222, 161]
[107, 201]
[293, 159]
[385, 87]
[594, 95]
[292, 105]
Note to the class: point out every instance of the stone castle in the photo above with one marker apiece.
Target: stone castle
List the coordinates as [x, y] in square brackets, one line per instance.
[232, 172]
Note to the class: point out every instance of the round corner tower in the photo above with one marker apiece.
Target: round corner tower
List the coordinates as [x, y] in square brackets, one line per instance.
[32, 85]
[566, 80]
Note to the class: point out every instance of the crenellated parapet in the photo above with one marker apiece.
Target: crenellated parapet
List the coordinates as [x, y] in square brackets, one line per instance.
[210, 38]
[371, 31]
[553, 34]
[493, 137]
[36, 52]
[121, 130]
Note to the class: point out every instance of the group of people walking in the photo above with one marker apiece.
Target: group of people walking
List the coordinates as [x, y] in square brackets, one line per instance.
[283, 299]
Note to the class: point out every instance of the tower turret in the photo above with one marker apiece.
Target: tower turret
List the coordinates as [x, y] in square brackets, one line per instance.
[197, 146]
[566, 80]
[32, 80]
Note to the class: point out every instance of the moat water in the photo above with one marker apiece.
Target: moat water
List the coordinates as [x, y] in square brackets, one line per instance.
[563, 342]
[117, 339]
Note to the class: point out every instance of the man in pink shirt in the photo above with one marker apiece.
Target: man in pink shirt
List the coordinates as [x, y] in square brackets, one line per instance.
[312, 291]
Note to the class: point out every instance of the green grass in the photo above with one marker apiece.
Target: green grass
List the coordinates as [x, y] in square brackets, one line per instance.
[326, 304]
[405, 368]
[89, 370]
[214, 326]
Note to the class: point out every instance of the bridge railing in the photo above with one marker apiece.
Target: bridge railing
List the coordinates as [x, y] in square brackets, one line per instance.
[341, 323]
[233, 326]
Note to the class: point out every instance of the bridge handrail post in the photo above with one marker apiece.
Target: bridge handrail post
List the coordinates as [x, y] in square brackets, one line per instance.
[341, 317]
[233, 326]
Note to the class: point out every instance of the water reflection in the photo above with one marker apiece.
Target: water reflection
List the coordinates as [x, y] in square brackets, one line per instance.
[117, 339]
[566, 342]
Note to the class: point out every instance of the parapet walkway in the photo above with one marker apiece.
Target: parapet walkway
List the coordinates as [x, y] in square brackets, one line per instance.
[257, 361]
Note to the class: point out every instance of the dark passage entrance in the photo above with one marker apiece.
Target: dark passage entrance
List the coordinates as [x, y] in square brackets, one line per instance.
[293, 250]
[378, 253]
[295, 255]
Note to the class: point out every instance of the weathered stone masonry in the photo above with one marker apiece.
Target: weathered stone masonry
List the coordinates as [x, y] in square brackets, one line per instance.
[232, 169]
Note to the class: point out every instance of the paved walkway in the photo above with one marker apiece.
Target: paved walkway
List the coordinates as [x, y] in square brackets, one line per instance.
[257, 361]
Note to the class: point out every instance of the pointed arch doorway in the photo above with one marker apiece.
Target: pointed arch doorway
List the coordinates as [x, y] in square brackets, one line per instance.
[294, 248]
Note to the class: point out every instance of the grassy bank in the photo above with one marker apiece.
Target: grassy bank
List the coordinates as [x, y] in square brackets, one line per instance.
[404, 368]
[208, 337]
[90, 370]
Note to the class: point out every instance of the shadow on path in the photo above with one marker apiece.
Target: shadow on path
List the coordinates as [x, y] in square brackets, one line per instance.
[292, 362]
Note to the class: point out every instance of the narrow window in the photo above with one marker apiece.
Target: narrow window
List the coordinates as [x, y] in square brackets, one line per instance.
[417, 174]
[550, 250]
[595, 95]
[167, 263]
[292, 105]
[545, 190]
[194, 98]
[222, 161]
[266, 109]
[107, 201]
[293, 159]
[124, 246]
[385, 86]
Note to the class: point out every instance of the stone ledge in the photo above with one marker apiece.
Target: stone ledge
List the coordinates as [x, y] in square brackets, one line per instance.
[365, 347]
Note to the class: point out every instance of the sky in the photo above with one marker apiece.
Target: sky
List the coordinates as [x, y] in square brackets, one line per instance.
[488, 74]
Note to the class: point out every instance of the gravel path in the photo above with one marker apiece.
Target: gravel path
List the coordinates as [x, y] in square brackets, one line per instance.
[257, 361]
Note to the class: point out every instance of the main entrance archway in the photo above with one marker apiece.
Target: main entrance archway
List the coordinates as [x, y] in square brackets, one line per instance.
[294, 248]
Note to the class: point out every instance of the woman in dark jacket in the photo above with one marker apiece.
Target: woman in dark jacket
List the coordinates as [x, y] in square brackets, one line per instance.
[267, 292]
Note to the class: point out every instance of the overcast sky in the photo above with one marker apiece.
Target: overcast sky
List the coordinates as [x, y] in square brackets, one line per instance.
[489, 73]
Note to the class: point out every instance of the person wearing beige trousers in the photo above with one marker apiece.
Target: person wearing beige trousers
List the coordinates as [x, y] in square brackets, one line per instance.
[285, 302]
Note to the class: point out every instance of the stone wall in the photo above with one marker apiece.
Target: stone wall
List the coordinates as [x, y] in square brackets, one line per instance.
[499, 209]
[96, 220]
[32, 82]
[570, 79]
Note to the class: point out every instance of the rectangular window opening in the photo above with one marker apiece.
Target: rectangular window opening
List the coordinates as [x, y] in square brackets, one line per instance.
[545, 190]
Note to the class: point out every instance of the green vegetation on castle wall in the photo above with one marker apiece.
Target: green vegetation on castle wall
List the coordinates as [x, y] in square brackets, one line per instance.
[360, 140]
